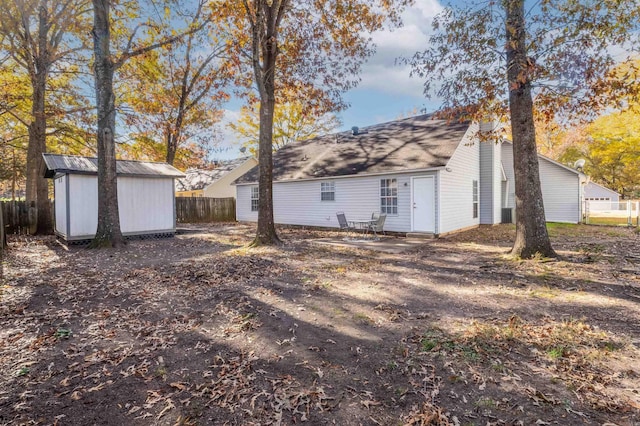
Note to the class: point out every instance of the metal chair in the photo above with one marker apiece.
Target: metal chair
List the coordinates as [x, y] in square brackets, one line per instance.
[344, 224]
[378, 225]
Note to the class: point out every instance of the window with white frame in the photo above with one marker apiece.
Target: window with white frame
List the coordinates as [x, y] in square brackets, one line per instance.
[475, 199]
[255, 197]
[327, 191]
[389, 196]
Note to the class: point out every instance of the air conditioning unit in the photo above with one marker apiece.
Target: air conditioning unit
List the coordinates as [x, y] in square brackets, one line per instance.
[507, 215]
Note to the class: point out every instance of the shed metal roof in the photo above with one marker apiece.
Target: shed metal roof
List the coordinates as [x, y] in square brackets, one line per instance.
[415, 143]
[56, 164]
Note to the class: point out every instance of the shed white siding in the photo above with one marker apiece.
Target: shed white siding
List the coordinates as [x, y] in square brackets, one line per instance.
[83, 206]
[456, 194]
[594, 191]
[298, 202]
[561, 192]
[60, 195]
[146, 205]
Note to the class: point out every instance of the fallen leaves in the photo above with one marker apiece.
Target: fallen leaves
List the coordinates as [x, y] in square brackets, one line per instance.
[182, 331]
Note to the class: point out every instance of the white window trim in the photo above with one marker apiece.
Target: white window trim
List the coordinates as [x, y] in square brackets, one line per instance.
[331, 185]
[255, 206]
[389, 197]
[475, 199]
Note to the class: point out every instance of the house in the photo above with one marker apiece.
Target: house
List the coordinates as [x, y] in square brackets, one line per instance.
[562, 187]
[427, 175]
[216, 183]
[146, 200]
[597, 192]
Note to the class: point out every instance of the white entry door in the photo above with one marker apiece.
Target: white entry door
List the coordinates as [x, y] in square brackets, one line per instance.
[423, 197]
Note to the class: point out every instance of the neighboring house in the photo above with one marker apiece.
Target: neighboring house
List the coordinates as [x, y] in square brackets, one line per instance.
[216, 183]
[427, 175]
[146, 200]
[597, 192]
[562, 187]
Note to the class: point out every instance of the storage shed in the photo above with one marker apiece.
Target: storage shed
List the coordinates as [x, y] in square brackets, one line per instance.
[145, 196]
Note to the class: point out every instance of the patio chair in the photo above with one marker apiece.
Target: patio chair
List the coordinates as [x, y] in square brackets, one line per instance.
[342, 221]
[378, 226]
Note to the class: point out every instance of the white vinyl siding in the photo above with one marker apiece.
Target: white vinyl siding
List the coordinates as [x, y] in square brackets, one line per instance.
[561, 192]
[327, 191]
[456, 195]
[490, 183]
[146, 205]
[593, 191]
[297, 203]
[83, 206]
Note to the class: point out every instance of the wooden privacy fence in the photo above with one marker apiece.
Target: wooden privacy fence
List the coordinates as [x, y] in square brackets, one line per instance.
[203, 209]
[17, 218]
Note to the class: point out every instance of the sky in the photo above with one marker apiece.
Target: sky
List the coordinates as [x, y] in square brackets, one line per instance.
[386, 90]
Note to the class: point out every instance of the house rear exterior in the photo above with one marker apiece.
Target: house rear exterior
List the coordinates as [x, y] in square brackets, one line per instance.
[427, 175]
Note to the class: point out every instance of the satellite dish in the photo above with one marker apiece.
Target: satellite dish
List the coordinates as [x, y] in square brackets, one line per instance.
[579, 164]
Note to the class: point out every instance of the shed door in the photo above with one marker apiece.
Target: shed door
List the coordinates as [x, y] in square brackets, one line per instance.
[424, 204]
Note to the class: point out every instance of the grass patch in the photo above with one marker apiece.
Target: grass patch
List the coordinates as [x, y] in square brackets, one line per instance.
[612, 221]
[363, 319]
[555, 228]
[571, 338]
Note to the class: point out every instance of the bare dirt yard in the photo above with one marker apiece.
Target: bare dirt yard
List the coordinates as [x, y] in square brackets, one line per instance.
[201, 330]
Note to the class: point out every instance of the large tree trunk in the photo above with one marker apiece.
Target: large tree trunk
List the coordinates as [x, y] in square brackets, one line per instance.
[531, 229]
[265, 46]
[37, 185]
[266, 233]
[108, 233]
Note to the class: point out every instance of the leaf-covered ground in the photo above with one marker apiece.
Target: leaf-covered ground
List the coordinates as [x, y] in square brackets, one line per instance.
[199, 330]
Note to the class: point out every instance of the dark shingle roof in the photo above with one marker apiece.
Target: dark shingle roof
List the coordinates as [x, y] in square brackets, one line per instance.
[410, 144]
[60, 164]
[196, 179]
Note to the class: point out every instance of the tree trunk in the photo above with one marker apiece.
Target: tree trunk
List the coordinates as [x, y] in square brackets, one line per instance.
[39, 127]
[267, 48]
[266, 233]
[171, 148]
[531, 228]
[108, 233]
[37, 185]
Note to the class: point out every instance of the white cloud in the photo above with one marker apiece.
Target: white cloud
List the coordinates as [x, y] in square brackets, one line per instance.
[381, 72]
